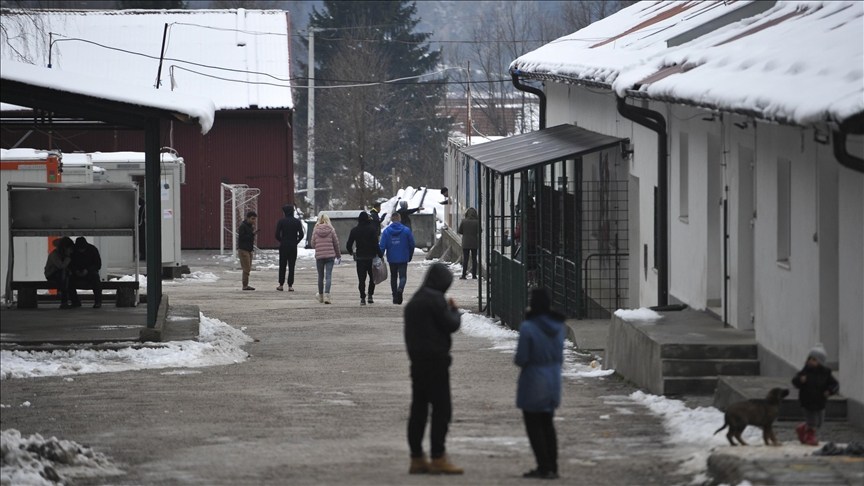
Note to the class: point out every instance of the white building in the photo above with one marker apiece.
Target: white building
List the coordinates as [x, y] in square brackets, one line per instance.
[761, 109]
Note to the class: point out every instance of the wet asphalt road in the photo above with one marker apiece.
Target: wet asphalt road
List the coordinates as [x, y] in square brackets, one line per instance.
[323, 399]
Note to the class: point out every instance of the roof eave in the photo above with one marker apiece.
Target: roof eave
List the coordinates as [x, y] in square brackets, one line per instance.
[639, 94]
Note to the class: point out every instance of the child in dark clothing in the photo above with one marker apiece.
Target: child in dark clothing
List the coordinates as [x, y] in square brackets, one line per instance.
[815, 384]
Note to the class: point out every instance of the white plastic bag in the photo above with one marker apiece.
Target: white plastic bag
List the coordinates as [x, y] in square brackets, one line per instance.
[379, 270]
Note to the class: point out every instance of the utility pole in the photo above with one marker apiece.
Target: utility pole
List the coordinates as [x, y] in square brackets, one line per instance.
[310, 125]
[468, 112]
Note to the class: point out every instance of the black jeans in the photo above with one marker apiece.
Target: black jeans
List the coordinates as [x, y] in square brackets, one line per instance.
[544, 443]
[88, 281]
[430, 385]
[473, 254]
[364, 269]
[287, 255]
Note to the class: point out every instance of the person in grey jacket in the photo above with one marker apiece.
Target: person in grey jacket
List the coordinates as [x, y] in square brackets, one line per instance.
[469, 228]
[540, 355]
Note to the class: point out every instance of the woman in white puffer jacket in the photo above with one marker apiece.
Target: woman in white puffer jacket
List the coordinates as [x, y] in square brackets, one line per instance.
[326, 245]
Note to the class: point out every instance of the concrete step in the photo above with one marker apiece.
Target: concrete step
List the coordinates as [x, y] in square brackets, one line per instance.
[709, 367]
[708, 351]
[690, 385]
[731, 389]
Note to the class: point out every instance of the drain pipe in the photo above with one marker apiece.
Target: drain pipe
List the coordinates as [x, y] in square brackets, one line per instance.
[655, 122]
[853, 124]
[514, 73]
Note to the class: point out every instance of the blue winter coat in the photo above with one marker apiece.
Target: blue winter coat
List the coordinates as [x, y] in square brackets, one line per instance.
[397, 241]
[540, 354]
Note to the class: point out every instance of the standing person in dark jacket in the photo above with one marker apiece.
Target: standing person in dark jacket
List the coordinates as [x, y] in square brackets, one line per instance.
[469, 228]
[815, 384]
[246, 245]
[86, 263]
[430, 319]
[405, 213]
[366, 237]
[540, 354]
[397, 241]
[289, 233]
[376, 219]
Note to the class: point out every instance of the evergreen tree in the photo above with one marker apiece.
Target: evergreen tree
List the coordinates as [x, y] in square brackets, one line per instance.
[373, 128]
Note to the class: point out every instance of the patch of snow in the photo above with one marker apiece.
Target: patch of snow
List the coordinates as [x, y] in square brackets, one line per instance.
[218, 344]
[36, 461]
[641, 314]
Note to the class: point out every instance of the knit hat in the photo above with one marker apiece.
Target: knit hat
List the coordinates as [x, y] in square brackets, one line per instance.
[818, 353]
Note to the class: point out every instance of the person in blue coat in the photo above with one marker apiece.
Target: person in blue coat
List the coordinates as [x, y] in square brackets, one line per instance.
[540, 354]
[397, 241]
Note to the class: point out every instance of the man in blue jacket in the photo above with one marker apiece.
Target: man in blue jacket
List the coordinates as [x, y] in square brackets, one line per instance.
[397, 242]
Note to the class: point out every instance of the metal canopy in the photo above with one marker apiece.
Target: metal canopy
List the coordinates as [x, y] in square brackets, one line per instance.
[520, 152]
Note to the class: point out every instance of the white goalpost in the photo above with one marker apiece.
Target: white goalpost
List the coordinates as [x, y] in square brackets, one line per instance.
[237, 200]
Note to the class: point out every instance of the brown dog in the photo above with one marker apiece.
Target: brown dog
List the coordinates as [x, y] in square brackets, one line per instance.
[760, 413]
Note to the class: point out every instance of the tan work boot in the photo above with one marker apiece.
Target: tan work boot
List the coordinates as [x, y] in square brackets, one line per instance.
[326, 298]
[442, 465]
[419, 465]
[319, 298]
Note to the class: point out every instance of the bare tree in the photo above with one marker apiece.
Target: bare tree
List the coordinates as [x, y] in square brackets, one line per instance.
[23, 33]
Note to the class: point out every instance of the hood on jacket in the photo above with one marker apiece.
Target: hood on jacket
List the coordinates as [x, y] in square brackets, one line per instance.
[438, 277]
[396, 227]
[363, 217]
[288, 209]
[540, 306]
[323, 229]
[470, 213]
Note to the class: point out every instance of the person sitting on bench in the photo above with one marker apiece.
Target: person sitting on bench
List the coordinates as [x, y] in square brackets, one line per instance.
[57, 268]
[86, 263]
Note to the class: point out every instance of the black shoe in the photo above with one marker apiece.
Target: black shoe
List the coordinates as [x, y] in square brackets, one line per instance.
[399, 297]
[396, 299]
[248, 288]
[97, 305]
[462, 277]
[362, 301]
[474, 277]
[369, 300]
[76, 304]
[538, 474]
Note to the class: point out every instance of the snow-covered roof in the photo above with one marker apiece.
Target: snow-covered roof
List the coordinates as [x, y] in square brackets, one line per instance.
[110, 89]
[250, 46]
[22, 154]
[134, 157]
[796, 62]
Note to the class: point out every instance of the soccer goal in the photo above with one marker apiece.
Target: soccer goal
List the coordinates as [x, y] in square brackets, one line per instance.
[237, 200]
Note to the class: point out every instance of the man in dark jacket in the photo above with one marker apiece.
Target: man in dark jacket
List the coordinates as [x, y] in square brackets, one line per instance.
[289, 232]
[86, 263]
[469, 228]
[405, 213]
[430, 319]
[246, 245]
[365, 235]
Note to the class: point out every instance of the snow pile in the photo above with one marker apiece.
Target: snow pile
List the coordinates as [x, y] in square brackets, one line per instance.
[691, 431]
[36, 461]
[428, 199]
[217, 344]
[641, 314]
[505, 340]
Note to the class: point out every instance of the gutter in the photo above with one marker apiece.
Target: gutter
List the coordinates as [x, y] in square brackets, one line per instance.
[853, 124]
[655, 122]
[514, 73]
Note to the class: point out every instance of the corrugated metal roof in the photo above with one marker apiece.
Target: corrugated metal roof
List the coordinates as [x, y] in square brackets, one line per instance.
[524, 151]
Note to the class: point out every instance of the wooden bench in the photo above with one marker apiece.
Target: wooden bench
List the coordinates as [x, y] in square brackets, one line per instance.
[27, 291]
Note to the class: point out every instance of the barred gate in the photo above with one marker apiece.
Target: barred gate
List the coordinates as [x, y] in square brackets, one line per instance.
[236, 201]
